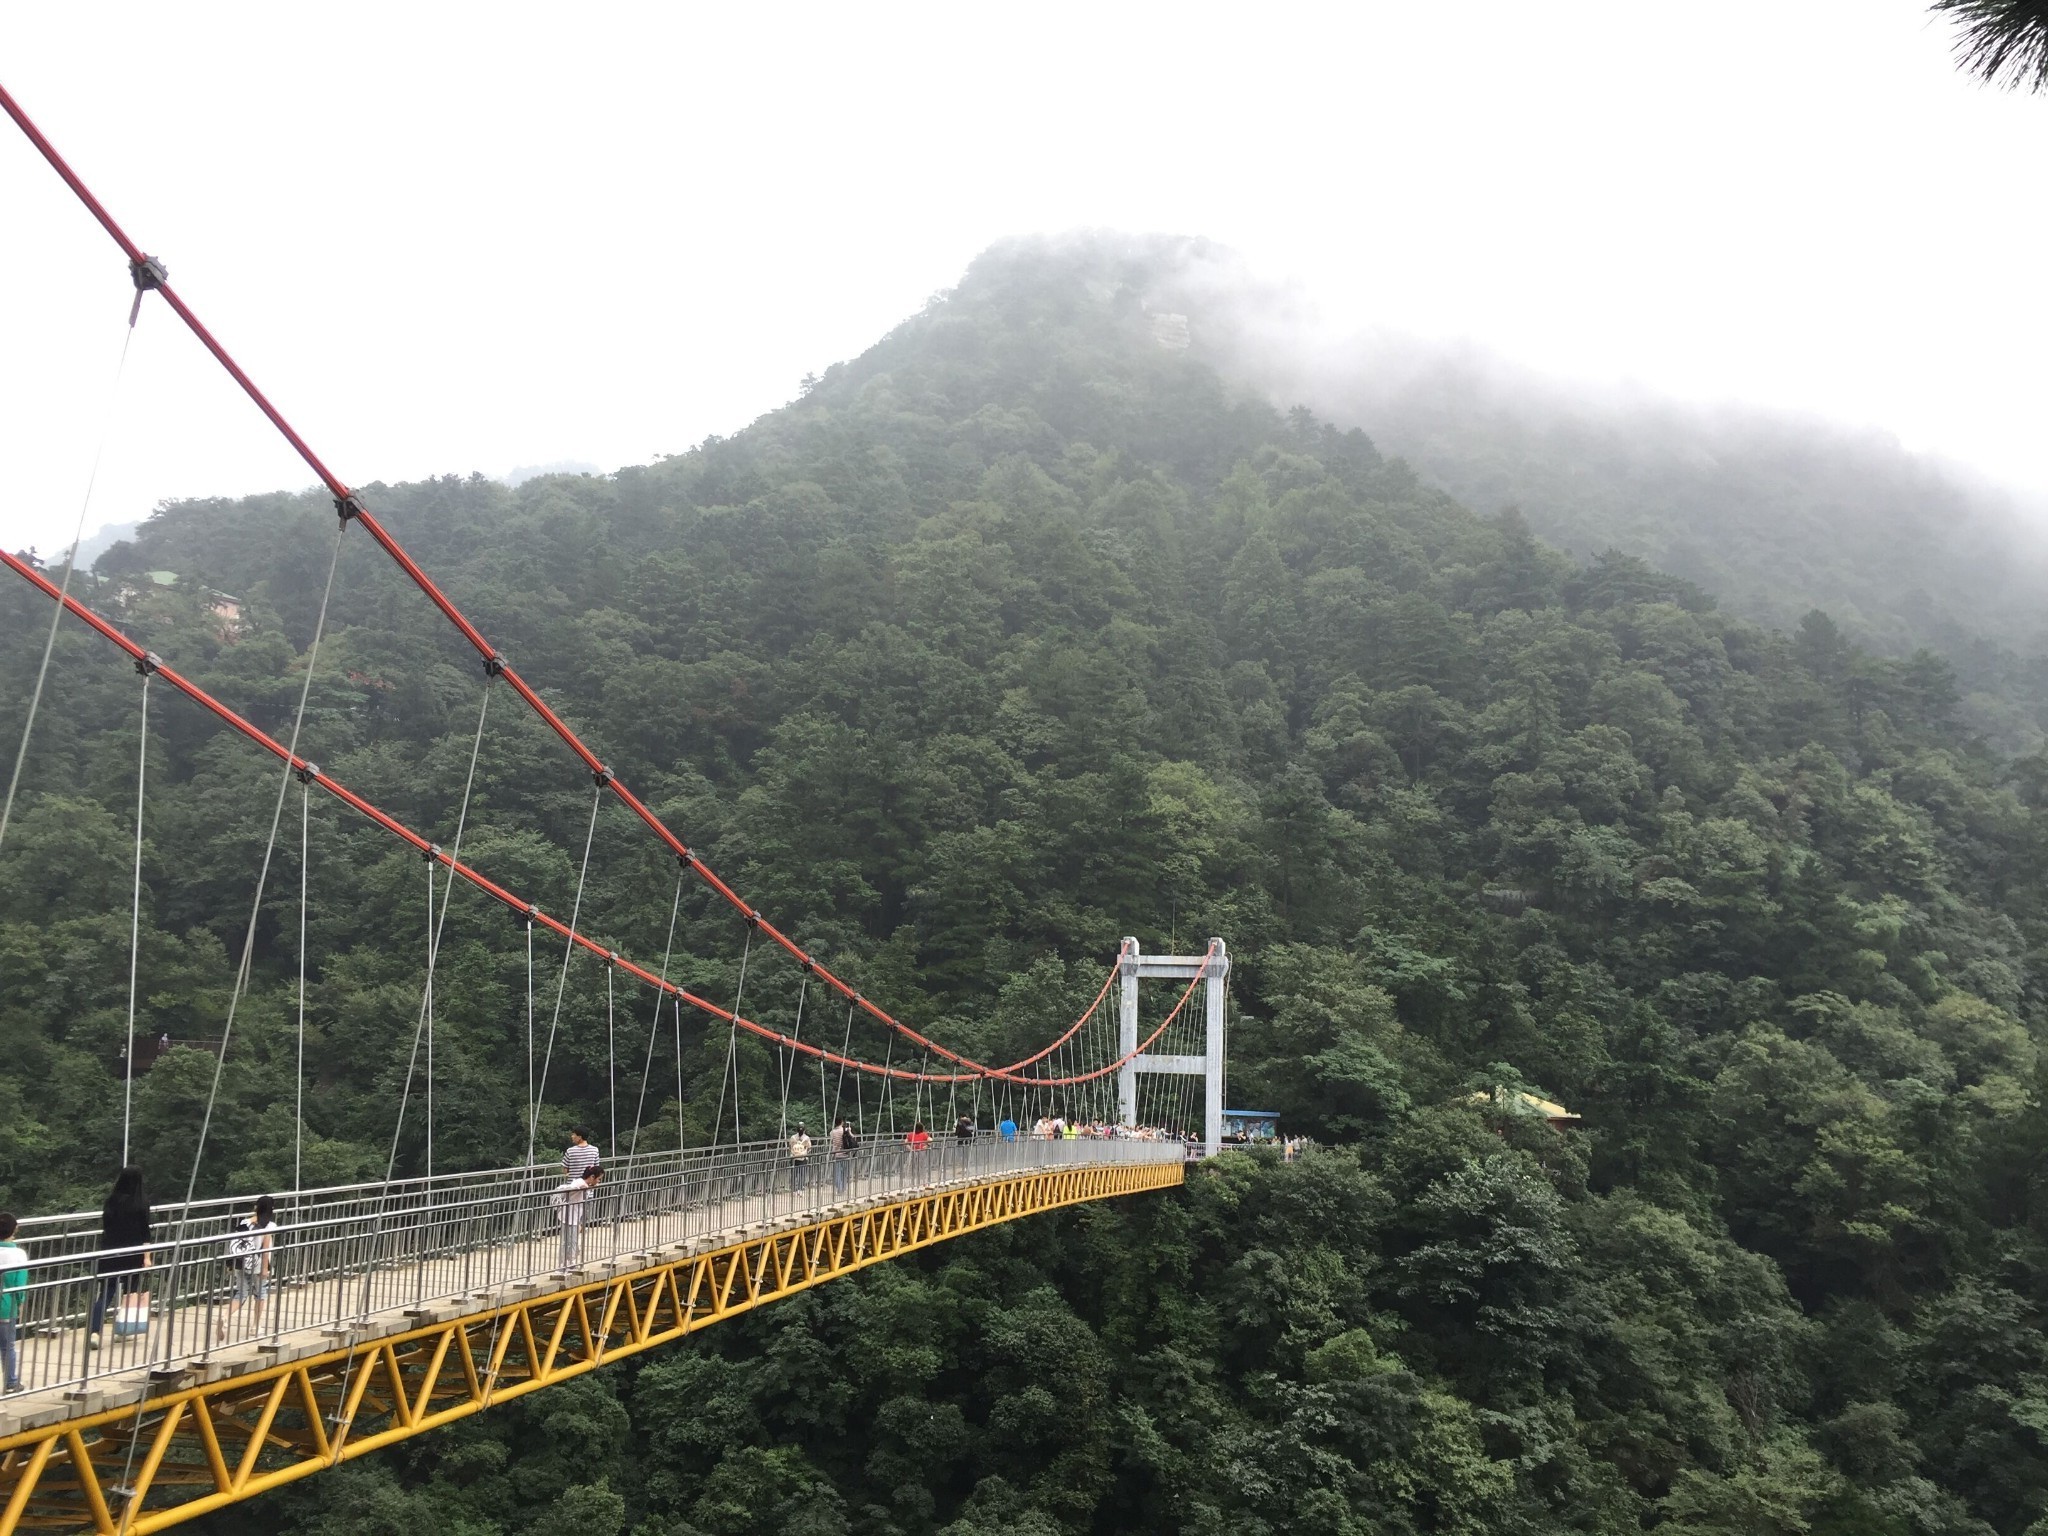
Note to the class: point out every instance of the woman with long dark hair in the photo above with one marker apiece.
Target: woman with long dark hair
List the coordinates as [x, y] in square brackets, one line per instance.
[124, 1248]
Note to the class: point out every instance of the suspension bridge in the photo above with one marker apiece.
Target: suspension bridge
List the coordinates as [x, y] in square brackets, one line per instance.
[160, 1378]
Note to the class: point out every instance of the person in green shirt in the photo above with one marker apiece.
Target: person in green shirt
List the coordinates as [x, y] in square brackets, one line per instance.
[13, 1290]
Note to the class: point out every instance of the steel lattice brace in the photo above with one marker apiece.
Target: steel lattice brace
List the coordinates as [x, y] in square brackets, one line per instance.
[189, 1449]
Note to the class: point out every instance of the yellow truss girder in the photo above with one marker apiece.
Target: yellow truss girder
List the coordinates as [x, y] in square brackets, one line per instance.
[189, 1448]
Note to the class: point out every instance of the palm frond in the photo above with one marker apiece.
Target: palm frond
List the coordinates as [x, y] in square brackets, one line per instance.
[2001, 42]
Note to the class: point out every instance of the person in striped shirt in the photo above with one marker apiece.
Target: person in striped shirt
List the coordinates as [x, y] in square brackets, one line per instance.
[581, 1155]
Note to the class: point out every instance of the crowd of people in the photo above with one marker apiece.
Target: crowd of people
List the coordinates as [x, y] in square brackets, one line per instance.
[1055, 1127]
[121, 1265]
[248, 1251]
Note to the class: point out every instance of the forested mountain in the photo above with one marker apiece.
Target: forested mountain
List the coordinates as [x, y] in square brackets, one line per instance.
[1023, 631]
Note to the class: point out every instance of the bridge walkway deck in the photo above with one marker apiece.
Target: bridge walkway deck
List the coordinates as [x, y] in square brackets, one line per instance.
[355, 1358]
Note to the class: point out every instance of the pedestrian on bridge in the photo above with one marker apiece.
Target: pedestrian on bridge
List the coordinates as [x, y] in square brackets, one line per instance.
[124, 1254]
[799, 1161]
[249, 1250]
[842, 1143]
[571, 1201]
[581, 1156]
[13, 1291]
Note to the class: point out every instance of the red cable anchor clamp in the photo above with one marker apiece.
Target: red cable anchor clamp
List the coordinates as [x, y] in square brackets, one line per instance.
[494, 665]
[431, 852]
[149, 662]
[148, 273]
[306, 773]
[347, 508]
[602, 776]
[687, 859]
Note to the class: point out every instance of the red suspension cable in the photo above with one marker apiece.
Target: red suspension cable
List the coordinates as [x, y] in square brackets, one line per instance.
[149, 273]
[191, 690]
[1144, 1045]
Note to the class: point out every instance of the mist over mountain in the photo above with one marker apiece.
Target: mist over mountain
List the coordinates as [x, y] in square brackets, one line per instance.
[1773, 513]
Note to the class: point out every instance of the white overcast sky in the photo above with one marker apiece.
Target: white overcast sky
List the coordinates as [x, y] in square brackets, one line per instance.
[450, 238]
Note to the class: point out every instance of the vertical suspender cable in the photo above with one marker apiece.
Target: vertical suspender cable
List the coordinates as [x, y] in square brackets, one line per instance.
[562, 981]
[654, 1028]
[611, 1057]
[149, 273]
[70, 567]
[888, 1087]
[437, 922]
[255, 914]
[1084, 1092]
[427, 1012]
[789, 1057]
[299, 1068]
[732, 1053]
[529, 1033]
[839, 1091]
[824, 1118]
[134, 919]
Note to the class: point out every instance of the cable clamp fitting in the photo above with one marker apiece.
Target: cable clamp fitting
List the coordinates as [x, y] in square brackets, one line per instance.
[348, 508]
[494, 665]
[431, 852]
[601, 776]
[149, 662]
[148, 273]
[687, 859]
[751, 918]
[306, 773]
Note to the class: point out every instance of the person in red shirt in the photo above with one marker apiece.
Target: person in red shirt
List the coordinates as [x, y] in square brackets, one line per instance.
[918, 1141]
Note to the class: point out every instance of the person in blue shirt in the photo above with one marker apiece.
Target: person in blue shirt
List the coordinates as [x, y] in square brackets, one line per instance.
[1008, 1129]
[13, 1290]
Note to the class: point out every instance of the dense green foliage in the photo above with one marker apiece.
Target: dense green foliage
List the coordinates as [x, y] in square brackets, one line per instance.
[1020, 633]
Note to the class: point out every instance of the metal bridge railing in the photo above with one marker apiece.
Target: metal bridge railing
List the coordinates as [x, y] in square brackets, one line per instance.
[342, 1257]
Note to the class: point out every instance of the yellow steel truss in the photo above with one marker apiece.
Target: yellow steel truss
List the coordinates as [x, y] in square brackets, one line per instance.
[191, 1447]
